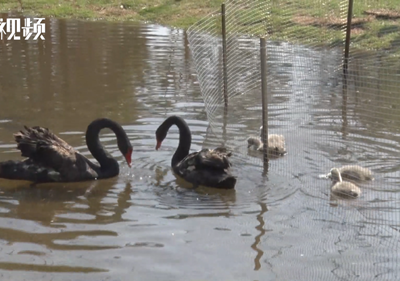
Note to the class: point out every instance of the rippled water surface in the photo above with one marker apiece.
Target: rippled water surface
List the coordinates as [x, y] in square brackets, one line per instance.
[146, 224]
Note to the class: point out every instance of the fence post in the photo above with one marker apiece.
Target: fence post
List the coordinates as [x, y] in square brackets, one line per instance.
[224, 60]
[264, 101]
[347, 42]
[345, 67]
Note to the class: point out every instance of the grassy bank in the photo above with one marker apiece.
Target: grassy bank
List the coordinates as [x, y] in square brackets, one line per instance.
[179, 13]
[373, 27]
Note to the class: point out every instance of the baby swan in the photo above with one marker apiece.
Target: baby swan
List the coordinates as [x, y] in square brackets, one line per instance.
[344, 188]
[254, 143]
[351, 173]
[276, 144]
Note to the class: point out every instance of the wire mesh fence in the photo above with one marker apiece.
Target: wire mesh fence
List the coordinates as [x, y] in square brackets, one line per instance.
[285, 25]
[328, 120]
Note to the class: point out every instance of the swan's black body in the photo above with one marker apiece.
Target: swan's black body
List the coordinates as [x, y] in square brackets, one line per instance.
[206, 167]
[51, 159]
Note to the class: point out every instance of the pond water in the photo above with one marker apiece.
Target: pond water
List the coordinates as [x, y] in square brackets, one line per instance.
[147, 224]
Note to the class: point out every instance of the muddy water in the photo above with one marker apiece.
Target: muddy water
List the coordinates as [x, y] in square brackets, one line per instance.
[147, 224]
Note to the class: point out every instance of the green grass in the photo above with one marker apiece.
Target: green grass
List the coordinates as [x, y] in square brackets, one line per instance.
[178, 13]
[308, 21]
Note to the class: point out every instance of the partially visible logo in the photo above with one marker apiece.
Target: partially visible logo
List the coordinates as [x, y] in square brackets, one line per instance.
[10, 29]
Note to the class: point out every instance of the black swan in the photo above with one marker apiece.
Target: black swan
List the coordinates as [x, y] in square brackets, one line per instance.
[206, 167]
[51, 159]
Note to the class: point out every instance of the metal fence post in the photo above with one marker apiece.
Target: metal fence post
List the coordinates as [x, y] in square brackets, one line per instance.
[347, 42]
[264, 100]
[224, 56]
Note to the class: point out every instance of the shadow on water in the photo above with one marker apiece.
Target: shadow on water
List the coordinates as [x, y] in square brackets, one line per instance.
[149, 224]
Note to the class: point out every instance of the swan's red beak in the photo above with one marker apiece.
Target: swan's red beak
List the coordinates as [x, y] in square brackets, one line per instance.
[128, 157]
[158, 145]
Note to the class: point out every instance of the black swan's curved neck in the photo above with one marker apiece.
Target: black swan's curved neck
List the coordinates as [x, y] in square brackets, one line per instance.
[185, 137]
[108, 165]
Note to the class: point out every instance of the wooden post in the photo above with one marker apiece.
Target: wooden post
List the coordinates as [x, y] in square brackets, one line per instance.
[224, 59]
[264, 101]
[347, 42]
